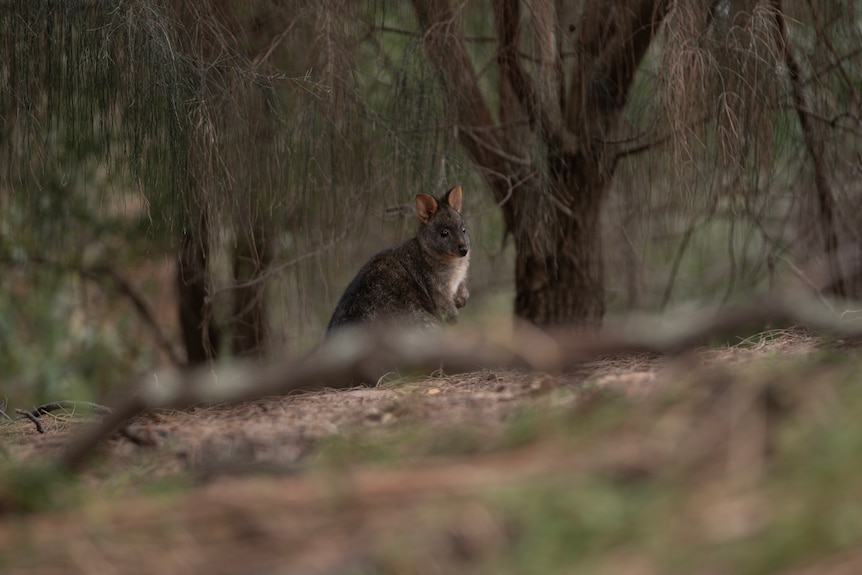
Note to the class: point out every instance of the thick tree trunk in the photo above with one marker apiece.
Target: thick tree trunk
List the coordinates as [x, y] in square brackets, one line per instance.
[551, 183]
[201, 335]
[559, 272]
[566, 285]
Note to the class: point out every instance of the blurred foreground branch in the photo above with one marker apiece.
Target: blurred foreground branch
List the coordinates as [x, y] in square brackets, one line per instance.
[351, 357]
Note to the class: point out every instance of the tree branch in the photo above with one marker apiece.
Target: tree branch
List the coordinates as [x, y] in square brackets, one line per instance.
[612, 41]
[123, 286]
[541, 111]
[447, 52]
[814, 146]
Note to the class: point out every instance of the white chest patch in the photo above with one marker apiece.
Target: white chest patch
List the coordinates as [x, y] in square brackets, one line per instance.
[459, 274]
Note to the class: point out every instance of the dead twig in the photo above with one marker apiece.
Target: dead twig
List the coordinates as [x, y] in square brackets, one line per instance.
[66, 404]
[32, 418]
[34, 414]
[3, 406]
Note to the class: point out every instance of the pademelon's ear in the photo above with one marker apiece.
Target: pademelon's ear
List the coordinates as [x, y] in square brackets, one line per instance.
[453, 198]
[425, 207]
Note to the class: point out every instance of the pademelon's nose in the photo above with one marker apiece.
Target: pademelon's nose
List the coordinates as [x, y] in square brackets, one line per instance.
[462, 251]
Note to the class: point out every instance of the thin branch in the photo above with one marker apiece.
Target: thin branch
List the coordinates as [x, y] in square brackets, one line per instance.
[34, 414]
[3, 406]
[539, 111]
[273, 45]
[651, 144]
[446, 50]
[32, 418]
[73, 405]
[273, 270]
[674, 268]
[399, 31]
[123, 286]
[814, 146]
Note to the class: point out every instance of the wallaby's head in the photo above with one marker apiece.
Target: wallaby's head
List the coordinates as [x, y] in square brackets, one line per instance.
[442, 232]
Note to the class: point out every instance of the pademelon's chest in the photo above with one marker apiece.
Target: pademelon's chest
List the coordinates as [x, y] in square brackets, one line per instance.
[459, 274]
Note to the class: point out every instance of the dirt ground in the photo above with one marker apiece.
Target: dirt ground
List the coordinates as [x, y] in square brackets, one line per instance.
[324, 482]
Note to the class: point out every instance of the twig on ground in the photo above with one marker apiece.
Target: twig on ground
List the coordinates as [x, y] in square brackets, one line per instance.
[3, 413]
[32, 418]
[34, 414]
[66, 404]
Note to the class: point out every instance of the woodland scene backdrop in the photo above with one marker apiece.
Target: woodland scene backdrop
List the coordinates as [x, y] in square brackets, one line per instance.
[190, 183]
[192, 180]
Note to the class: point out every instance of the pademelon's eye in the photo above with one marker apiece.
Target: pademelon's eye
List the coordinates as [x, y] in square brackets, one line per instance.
[444, 233]
[464, 230]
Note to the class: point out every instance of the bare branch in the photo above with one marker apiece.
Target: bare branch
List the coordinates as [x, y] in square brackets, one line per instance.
[814, 146]
[123, 286]
[612, 41]
[448, 54]
[32, 418]
[3, 406]
[648, 145]
[542, 112]
[67, 404]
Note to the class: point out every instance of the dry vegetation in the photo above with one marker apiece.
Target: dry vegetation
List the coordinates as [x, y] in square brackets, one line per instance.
[741, 453]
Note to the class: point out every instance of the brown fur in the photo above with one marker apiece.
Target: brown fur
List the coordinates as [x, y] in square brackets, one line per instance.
[421, 282]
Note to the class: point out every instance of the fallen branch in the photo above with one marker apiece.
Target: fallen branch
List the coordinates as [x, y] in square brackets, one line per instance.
[66, 404]
[34, 414]
[353, 356]
[32, 418]
[3, 413]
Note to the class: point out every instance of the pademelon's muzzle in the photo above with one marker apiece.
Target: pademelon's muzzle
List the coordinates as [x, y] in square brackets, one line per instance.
[463, 250]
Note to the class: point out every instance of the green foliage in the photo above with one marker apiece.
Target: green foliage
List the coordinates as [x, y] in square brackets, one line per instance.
[27, 489]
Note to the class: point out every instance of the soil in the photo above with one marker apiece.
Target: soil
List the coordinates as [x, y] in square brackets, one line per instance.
[294, 484]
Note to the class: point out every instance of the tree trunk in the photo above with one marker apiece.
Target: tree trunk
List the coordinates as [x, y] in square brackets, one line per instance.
[551, 182]
[201, 335]
[252, 258]
[563, 285]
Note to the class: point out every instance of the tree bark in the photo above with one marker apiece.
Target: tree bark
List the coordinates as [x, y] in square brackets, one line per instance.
[563, 282]
[201, 335]
[252, 258]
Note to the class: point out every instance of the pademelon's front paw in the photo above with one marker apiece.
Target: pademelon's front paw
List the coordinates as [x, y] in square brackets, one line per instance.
[461, 296]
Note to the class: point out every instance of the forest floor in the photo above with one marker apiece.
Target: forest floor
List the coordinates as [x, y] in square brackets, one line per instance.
[741, 459]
